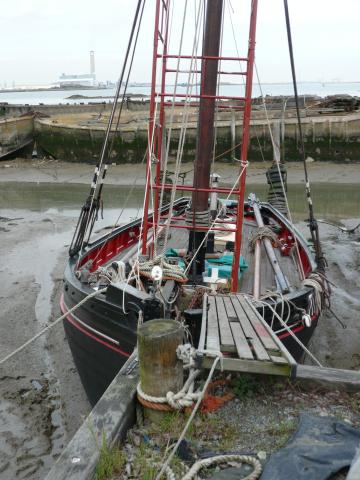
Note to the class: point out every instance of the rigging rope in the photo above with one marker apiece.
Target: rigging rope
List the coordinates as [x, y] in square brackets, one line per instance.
[90, 209]
[313, 225]
[185, 117]
[282, 322]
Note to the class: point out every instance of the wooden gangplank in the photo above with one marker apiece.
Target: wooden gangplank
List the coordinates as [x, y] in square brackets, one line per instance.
[233, 326]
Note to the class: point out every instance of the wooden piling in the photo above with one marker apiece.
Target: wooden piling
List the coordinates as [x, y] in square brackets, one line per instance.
[160, 369]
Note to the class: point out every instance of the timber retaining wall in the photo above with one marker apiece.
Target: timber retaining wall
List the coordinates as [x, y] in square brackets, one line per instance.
[15, 132]
[326, 139]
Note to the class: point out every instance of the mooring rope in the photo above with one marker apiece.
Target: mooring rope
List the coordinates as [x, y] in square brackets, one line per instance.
[50, 326]
[190, 419]
[207, 462]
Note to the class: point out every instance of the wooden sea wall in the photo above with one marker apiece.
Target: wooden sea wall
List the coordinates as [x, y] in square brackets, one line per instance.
[15, 132]
[335, 138]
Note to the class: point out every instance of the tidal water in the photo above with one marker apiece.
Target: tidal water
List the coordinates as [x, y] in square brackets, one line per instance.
[331, 201]
[61, 96]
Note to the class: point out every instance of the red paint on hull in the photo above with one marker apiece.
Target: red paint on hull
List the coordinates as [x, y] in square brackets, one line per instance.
[73, 321]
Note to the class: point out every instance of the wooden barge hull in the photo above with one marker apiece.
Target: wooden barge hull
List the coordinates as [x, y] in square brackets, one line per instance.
[102, 332]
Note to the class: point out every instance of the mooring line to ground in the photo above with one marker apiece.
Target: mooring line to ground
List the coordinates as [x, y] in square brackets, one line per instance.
[50, 326]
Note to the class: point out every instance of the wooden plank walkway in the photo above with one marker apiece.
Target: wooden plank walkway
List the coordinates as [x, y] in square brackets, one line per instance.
[233, 326]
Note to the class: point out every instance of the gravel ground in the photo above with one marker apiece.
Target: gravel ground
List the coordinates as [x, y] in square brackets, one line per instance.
[259, 421]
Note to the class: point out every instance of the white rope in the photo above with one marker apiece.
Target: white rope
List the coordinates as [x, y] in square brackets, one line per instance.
[169, 271]
[183, 398]
[190, 419]
[287, 328]
[186, 396]
[207, 462]
[51, 325]
[315, 282]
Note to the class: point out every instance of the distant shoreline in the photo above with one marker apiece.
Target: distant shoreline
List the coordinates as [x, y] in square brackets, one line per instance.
[49, 89]
[148, 85]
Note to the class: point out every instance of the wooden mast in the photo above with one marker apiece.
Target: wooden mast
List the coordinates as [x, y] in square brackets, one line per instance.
[205, 131]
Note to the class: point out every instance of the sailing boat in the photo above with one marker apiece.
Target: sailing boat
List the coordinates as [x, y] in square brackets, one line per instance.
[160, 264]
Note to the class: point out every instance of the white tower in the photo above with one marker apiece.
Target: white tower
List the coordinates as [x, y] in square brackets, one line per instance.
[92, 65]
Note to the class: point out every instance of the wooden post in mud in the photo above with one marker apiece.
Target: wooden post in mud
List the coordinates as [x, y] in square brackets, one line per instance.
[160, 369]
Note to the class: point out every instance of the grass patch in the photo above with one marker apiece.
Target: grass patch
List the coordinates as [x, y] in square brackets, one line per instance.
[111, 461]
[246, 386]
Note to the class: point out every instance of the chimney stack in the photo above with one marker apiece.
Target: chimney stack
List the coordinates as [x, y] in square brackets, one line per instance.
[92, 62]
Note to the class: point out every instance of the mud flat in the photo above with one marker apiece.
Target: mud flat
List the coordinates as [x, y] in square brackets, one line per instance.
[56, 171]
[41, 400]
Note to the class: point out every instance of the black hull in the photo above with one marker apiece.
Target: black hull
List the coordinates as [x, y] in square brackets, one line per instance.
[98, 360]
[96, 363]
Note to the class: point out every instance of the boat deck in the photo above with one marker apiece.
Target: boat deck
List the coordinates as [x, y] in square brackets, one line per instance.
[232, 326]
[179, 239]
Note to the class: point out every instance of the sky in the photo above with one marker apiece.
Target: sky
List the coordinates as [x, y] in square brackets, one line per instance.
[40, 39]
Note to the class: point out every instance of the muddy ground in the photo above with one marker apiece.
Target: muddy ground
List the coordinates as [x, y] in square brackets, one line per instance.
[41, 400]
[26, 170]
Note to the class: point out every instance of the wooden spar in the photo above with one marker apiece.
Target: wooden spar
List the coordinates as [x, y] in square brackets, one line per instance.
[244, 146]
[257, 264]
[284, 286]
[257, 252]
[205, 141]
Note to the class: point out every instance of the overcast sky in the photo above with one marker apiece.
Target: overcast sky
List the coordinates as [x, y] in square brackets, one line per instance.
[40, 39]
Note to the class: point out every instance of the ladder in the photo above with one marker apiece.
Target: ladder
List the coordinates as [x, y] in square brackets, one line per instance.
[161, 97]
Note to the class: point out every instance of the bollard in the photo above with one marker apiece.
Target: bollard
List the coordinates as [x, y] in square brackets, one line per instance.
[160, 369]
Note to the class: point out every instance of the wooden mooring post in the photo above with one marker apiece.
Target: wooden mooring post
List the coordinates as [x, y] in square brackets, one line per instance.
[160, 369]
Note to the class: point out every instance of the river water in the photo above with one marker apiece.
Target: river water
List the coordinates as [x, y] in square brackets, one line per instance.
[331, 201]
[286, 89]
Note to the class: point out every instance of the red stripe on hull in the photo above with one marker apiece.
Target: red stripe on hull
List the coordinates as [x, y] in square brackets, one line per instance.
[297, 329]
[73, 322]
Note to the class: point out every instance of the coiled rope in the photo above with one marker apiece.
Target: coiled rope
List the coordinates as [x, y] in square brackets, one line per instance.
[176, 401]
[170, 271]
[321, 288]
[207, 462]
[261, 233]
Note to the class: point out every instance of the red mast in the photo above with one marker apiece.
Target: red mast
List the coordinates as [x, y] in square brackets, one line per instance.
[244, 146]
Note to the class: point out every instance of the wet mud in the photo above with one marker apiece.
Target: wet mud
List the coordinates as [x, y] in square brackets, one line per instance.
[41, 400]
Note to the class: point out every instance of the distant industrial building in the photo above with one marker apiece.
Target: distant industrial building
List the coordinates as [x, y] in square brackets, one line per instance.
[83, 80]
